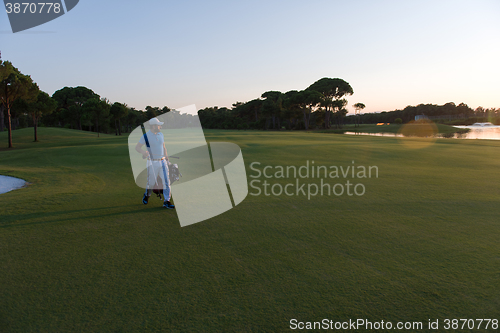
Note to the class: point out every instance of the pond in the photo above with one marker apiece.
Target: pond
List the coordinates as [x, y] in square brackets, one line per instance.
[376, 134]
[485, 131]
[8, 184]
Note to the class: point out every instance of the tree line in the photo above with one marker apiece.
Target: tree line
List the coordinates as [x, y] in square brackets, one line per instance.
[449, 113]
[23, 104]
[299, 110]
[322, 105]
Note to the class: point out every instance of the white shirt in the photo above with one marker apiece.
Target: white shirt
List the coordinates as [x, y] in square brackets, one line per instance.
[155, 144]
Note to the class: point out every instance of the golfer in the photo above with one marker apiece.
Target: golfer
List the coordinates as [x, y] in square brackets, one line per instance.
[157, 160]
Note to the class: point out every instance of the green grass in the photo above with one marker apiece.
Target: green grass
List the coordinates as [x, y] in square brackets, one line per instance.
[80, 253]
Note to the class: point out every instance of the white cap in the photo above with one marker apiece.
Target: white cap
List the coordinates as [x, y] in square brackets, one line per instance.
[155, 121]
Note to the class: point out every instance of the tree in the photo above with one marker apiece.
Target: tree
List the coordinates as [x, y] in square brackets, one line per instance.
[331, 90]
[134, 118]
[464, 109]
[293, 105]
[255, 107]
[293, 110]
[43, 105]
[152, 112]
[339, 105]
[357, 109]
[307, 101]
[96, 109]
[273, 105]
[163, 110]
[2, 117]
[246, 112]
[71, 99]
[118, 111]
[14, 85]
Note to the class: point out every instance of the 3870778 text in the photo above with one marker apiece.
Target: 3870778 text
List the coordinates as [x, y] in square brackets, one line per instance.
[32, 7]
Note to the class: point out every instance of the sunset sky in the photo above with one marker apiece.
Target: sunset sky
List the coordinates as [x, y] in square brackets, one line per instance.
[208, 53]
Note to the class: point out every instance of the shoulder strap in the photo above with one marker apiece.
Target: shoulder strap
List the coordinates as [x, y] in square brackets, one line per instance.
[147, 141]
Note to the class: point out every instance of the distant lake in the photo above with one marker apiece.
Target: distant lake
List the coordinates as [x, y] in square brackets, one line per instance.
[8, 184]
[375, 134]
[488, 132]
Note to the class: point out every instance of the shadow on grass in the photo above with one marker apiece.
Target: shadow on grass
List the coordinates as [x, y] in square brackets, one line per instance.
[4, 324]
[85, 215]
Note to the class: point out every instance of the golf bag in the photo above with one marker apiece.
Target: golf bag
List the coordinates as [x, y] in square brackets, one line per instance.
[173, 175]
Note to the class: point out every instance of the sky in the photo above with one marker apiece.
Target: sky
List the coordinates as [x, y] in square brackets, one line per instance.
[216, 53]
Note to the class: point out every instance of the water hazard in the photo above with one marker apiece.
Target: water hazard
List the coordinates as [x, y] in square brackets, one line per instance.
[486, 131]
[8, 184]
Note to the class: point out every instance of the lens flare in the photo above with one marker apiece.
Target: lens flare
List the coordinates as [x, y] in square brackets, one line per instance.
[418, 134]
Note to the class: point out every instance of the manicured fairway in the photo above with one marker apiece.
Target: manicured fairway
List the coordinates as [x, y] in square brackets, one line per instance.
[79, 252]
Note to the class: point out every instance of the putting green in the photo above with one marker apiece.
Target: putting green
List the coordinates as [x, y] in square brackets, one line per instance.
[79, 251]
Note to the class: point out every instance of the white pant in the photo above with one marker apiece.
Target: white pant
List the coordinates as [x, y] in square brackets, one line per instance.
[155, 169]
